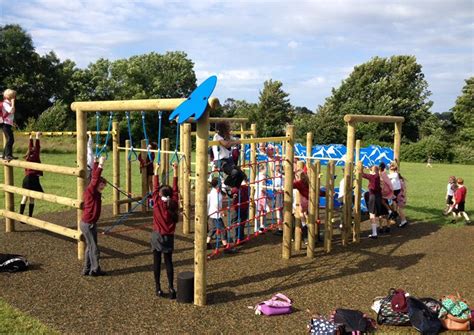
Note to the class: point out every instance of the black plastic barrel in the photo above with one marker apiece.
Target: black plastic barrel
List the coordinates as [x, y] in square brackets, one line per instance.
[185, 292]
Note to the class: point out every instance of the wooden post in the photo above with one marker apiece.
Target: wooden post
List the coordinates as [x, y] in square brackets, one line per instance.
[329, 206]
[347, 222]
[242, 136]
[143, 155]
[200, 221]
[357, 153]
[300, 167]
[253, 172]
[186, 191]
[9, 197]
[317, 216]
[312, 197]
[288, 196]
[358, 198]
[181, 166]
[115, 167]
[81, 159]
[128, 174]
[397, 138]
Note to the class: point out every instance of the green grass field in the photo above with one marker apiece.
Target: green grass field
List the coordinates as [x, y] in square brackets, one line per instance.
[426, 194]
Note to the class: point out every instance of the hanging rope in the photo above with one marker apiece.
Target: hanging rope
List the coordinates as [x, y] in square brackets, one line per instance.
[126, 215]
[146, 137]
[104, 147]
[132, 150]
[175, 155]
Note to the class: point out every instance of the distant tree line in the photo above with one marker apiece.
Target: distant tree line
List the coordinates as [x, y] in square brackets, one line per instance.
[382, 86]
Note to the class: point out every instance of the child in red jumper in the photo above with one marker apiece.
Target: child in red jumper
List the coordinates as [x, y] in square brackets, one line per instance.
[90, 216]
[301, 183]
[165, 217]
[459, 202]
[31, 180]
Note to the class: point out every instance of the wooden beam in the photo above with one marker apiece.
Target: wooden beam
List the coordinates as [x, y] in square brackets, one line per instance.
[186, 191]
[256, 140]
[288, 195]
[222, 119]
[64, 133]
[115, 168]
[134, 105]
[200, 217]
[81, 159]
[128, 173]
[66, 170]
[9, 197]
[42, 196]
[373, 118]
[129, 200]
[397, 138]
[60, 230]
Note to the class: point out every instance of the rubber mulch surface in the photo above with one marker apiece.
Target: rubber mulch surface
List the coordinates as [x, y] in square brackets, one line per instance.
[426, 260]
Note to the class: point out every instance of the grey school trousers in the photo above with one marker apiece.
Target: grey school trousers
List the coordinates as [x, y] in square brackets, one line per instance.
[91, 258]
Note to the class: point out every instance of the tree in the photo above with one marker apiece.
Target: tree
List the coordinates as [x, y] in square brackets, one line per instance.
[39, 80]
[463, 113]
[383, 86]
[274, 109]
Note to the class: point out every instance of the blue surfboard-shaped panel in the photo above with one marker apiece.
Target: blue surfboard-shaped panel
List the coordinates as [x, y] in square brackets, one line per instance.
[196, 103]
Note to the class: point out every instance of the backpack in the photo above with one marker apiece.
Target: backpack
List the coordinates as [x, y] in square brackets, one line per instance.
[277, 305]
[13, 263]
[423, 318]
[353, 321]
[399, 301]
[455, 313]
[386, 315]
[319, 325]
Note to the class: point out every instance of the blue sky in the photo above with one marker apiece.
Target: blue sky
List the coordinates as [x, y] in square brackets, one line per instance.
[310, 46]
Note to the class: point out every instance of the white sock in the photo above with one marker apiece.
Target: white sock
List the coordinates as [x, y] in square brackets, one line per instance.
[374, 229]
[389, 211]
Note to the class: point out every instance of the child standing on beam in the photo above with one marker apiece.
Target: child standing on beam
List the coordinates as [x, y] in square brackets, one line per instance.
[90, 216]
[31, 180]
[375, 198]
[6, 120]
[165, 217]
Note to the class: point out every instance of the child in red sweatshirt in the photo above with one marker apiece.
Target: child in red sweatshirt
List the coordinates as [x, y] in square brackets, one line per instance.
[90, 216]
[31, 180]
[165, 217]
[460, 201]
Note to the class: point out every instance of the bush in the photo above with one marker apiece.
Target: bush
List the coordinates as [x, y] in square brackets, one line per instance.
[430, 146]
[55, 118]
[463, 154]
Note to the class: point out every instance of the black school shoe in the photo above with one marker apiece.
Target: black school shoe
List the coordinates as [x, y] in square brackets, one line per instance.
[172, 294]
[160, 293]
[98, 273]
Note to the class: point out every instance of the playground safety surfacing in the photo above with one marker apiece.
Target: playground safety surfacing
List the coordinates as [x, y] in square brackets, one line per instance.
[418, 258]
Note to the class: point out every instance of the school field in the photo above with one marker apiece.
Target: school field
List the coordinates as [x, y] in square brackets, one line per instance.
[425, 258]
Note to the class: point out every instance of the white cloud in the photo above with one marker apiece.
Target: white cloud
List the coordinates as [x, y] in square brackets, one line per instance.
[306, 45]
[293, 44]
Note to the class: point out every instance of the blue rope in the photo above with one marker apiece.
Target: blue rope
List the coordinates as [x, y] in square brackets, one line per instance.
[104, 148]
[126, 215]
[146, 137]
[132, 150]
[158, 155]
[175, 155]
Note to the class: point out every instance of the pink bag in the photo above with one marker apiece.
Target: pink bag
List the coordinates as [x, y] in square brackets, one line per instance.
[277, 305]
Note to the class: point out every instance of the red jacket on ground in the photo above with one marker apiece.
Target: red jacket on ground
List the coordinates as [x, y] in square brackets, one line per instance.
[163, 221]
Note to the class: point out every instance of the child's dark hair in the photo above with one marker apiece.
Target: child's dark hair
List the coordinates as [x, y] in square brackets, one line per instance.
[166, 191]
[382, 166]
[223, 128]
[172, 206]
[215, 182]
